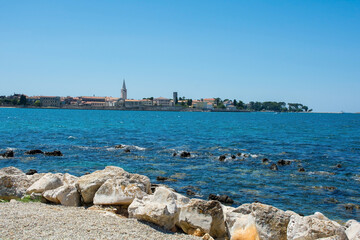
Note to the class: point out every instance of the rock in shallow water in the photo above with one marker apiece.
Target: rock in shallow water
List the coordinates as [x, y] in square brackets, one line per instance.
[33, 152]
[8, 154]
[31, 172]
[221, 198]
[185, 154]
[55, 153]
[274, 167]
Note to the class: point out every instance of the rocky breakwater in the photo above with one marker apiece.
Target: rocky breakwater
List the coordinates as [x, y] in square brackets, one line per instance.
[171, 210]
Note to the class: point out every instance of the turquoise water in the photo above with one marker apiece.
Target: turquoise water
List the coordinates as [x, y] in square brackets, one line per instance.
[316, 142]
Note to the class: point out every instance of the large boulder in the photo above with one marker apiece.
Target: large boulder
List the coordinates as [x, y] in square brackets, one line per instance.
[269, 222]
[14, 182]
[89, 184]
[242, 227]
[202, 217]
[161, 208]
[314, 227]
[119, 192]
[47, 182]
[66, 195]
[353, 230]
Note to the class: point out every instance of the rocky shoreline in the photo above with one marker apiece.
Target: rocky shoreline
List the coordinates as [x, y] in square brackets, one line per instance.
[134, 196]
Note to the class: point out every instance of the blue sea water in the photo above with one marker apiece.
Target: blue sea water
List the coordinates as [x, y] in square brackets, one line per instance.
[314, 141]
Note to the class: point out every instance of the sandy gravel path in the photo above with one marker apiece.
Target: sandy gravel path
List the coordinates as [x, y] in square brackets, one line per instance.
[20, 220]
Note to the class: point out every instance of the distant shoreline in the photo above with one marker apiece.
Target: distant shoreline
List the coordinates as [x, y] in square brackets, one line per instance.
[160, 108]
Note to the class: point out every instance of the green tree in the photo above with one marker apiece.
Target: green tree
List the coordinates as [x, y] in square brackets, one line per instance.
[189, 102]
[37, 103]
[22, 100]
[15, 101]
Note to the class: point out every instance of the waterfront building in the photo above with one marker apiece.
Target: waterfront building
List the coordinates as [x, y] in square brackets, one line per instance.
[230, 107]
[110, 101]
[131, 103]
[161, 101]
[50, 101]
[124, 91]
[146, 102]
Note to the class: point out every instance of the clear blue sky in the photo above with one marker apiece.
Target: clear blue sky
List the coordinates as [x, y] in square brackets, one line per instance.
[292, 51]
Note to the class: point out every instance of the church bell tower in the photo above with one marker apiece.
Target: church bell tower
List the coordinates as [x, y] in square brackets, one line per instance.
[124, 91]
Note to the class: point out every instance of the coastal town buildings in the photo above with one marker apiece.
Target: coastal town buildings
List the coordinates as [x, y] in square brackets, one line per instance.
[161, 101]
[49, 101]
[123, 102]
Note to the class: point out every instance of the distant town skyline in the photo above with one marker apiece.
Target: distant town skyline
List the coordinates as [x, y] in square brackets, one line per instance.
[306, 52]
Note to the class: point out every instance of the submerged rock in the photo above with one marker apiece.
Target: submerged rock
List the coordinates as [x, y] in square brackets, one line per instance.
[301, 169]
[33, 152]
[265, 160]
[222, 158]
[31, 172]
[221, 198]
[185, 154]
[233, 156]
[54, 153]
[190, 192]
[8, 154]
[274, 167]
[161, 178]
[338, 165]
[127, 150]
[174, 154]
[283, 162]
[119, 146]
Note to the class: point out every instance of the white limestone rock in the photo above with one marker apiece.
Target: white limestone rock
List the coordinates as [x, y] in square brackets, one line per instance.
[200, 217]
[313, 227]
[118, 192]
[352, 230]
[89, 184]
[269, 222]
[161, 208]
[47, 182]
[66, 195]
[14, 182]
[241, 226]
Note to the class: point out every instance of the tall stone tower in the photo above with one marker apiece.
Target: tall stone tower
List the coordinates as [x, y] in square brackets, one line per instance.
[175, 98]
[124, 91]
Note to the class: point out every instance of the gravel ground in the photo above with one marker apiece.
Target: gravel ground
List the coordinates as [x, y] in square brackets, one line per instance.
[32, 220]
